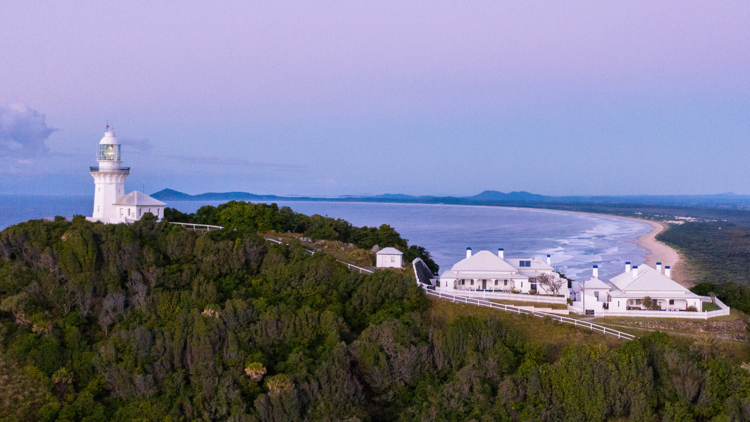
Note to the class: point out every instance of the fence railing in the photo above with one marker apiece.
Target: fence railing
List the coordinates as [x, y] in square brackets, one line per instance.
[518, 297]
[199, 227]
[725, 310]
[348, 265]
[518, 310]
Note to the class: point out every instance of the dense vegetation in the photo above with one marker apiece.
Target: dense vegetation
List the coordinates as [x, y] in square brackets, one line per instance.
[716, 252]
[154, 322]
[264, 217]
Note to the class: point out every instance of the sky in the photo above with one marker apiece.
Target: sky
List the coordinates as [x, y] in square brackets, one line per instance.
[328, 98]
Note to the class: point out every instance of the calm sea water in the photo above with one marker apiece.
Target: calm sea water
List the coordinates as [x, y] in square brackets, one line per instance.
[575, 241]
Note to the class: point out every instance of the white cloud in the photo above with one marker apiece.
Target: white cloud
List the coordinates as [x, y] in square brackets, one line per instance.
[23, 132]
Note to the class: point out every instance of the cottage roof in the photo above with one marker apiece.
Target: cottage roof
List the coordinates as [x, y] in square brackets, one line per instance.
[595, 283]
[536, 264]
[449, 274]
[484, 261]
[389, 251]
[139, 199]
[648, 279]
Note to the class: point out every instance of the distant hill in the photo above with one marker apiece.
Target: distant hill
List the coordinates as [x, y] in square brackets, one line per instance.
[492, 195]
[489, 197]
[173, 195]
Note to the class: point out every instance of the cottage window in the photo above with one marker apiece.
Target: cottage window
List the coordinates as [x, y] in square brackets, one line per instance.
[671, 301]
[393, 259]
[524, 264]
[495, 282]
[506, 283]
[472, 282]
[128, 212]
[596, 294]
[637, 301]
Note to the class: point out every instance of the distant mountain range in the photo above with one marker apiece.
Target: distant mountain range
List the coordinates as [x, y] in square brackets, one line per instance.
[488, 197]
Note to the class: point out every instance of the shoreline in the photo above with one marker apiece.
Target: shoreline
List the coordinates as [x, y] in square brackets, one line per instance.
[656, 251]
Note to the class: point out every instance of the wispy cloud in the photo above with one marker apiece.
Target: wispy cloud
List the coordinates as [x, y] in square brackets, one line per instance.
[210, 160]
[23, 133]
[138, 145]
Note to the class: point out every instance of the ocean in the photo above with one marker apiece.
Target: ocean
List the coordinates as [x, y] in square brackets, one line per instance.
[576, 241]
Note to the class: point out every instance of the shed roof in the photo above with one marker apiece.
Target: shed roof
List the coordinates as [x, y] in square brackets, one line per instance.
[139, 199]
[389, 251]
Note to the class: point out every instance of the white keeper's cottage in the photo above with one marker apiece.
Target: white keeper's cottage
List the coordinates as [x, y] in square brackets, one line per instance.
[111, 203]
[489, 272]
[627, 291]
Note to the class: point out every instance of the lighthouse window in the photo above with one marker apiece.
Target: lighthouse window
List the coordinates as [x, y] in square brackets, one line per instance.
[109, 152]
[128, 212]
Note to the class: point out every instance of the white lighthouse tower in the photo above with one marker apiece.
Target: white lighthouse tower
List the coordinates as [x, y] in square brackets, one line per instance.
[109, 177]
[111, 204]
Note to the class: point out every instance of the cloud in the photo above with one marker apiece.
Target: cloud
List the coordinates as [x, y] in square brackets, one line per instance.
[23, 132]
[210, 160]
[138, 145]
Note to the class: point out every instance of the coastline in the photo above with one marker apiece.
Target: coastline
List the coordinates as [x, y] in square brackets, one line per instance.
[660, 252]
[656, 251]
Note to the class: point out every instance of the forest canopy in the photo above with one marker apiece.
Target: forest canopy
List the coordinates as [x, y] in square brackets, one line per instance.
[151, 321]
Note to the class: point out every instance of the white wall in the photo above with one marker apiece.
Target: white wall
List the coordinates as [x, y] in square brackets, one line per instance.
[389, 261]
[108, 188]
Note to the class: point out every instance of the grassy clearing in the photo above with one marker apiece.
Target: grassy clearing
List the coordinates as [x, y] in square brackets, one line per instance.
[708, 306]
[552, 334]
[534, 304]
[345, 252]
[555, 336]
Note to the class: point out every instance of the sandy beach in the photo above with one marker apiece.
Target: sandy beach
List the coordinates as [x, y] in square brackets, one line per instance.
[656, 251]
[660, 252]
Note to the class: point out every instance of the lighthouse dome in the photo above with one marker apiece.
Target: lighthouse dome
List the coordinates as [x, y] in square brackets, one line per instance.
[109, 139]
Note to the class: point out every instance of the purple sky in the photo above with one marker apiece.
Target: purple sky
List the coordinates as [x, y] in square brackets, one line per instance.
[333, 98]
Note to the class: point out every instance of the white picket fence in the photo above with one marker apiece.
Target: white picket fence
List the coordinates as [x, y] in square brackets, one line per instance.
[348, 265]
[725, 310]
[198, 227]
[518, 310]
[518, 297]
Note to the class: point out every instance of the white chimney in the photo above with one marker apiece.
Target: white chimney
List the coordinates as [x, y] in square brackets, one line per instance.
[658, 266]
[468, 252]
[635, 271]
[501, 253]
[627, 267]
[668, 271]
[549, 260]
[596, 271]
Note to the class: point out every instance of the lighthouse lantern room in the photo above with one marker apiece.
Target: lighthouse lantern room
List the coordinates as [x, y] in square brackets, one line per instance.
[111, 204]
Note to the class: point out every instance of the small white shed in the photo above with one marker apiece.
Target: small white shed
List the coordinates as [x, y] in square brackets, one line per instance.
[389, 258]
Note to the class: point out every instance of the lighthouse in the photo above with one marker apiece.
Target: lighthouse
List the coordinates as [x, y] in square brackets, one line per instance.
[111, 204]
